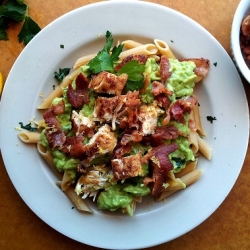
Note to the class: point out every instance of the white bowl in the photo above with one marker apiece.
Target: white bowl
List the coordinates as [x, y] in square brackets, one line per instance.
[242, 11]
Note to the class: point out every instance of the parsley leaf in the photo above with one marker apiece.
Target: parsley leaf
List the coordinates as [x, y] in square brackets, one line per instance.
[29, 30]
[104, 61]
[61, 74]
[134, 70]
[27, 127]
[13, 10]
[3, 28]
[17, 11]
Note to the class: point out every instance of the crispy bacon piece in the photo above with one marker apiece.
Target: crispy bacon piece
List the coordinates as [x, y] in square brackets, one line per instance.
[161, 166]
[54, 133]
[164, 69]
[141, 58]
[122, 150]
[80, 95]
[74, 146]
[132, 136]
[108, 83]
[202, 66]
[179, 107]
[167, 132]
[163, 101]
[160, 88]
[58, 108]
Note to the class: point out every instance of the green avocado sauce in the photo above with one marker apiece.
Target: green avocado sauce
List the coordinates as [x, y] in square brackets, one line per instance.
[121, 195]
[60, 160]
[114, 197]
[182, 155]
[182, 78]
[64, 118]
[88, 108]
[152, 74]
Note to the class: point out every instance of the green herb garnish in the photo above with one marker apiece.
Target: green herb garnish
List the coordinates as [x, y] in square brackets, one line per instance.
[29, 29]
[61, 74]
[27, 127]
[17, 11]
[104, 61]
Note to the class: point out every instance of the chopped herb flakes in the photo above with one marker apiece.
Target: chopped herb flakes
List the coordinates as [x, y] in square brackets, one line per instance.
[215, 64]
[62, 46]
[61, 74]
[211, 118]
[27, 127]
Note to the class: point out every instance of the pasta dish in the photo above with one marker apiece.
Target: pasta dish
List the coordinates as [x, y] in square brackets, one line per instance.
[124, 124]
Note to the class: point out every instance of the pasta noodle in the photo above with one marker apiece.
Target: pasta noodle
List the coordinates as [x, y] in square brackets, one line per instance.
[204, 148]
[58, 91]
[130, 44]
[164, 48]
[29, 137]
[66, 181]
[77, 201]
[83, 60]
[49, 159]
[147, 49]
[193, 143]
[197, 119]
[187, 179]
[190, 166]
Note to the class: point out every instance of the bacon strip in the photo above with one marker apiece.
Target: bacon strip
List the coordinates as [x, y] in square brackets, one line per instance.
[134, 136]
[161, 166]
[160, 88]
[202, 65]
[179, 107]
[58, 108]
[53, 133]
[164, 69]
[74, 146]
[80, 95]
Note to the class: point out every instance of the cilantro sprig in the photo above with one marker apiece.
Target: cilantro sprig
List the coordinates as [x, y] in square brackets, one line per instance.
[104, 61]
[17, 11]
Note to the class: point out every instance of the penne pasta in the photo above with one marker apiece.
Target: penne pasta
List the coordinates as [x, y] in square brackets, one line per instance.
[77, 201]
[190, 166]
[204, 148]
[29, 137]
[147, 49]
[193, 142]
[83, 61]
[197, 119]
[49, 159]
[58, 91]
[66, 181]
[164, 48]
[187, 179]
[130, 44]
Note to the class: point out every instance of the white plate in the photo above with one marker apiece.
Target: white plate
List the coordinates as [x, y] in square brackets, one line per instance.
[220, 95]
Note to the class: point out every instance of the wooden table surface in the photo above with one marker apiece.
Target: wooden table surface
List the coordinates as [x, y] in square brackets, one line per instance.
[227, 228]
